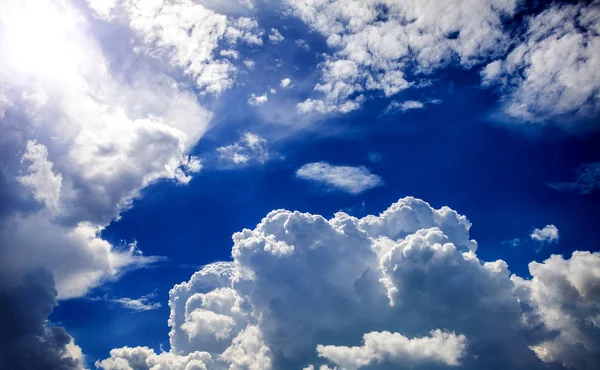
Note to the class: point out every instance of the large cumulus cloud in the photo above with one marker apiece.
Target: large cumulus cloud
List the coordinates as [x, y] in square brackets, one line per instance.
[79, 141]
[402, 289]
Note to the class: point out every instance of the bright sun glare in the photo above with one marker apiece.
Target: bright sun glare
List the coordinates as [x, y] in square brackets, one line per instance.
[39, 40]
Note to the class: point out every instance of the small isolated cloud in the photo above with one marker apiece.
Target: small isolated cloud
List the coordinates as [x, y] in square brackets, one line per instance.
[285, 82]
[302, 44]
[404, 106]
[275, 37]
[256, 100]
[353, 180]
[549, 234]
[587, 180]
[143, 303]
[251, 147]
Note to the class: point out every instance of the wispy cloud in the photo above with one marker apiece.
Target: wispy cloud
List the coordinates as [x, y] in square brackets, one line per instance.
[586, 181]
[143, 303]
[396, 106]
[353, 180]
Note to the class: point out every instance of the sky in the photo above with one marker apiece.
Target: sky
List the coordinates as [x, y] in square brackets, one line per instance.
[299, 184]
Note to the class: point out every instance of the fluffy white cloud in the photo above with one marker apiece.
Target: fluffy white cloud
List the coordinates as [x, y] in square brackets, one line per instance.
[548, 234]
[250, 148]
[90, 139]
[353, 180]
[563, 297]
[275, 37]
[285, 82]
[551, 75]
[394, 348]
[375, 44]
[188, 34]
[256, 100]
[40, 178]
[302, 290]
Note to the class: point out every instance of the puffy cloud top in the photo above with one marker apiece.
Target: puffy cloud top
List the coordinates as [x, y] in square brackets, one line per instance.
[404, 288]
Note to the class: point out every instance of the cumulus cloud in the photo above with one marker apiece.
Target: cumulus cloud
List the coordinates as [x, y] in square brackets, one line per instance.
[377, 44]
[353, 180]
[188, 34]
[285, 82]
[28, 342]
[586, 181]
[90, 141]
[256, 100]
[39, 177]
[563, 297]
[404, 288]
[548, 234]
[250, 148]
[275, 37]
[394, 348]
[550, 76]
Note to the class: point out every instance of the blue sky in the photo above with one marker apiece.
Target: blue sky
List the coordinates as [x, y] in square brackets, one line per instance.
[140, 136]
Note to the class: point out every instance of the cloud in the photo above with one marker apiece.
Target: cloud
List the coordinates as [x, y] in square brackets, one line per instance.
[376, 45]
[256, 100]
[275, 37]
[401, 289]
[188, 35]
[563, 297]
[28, 341]
[285, 82]
[250, 148]
[39, 177]
[404, 106]
[353, 180]
[586, 182]
[88, 141]
[550, 75]
[143, 303]
[386, 347]
[549, 234]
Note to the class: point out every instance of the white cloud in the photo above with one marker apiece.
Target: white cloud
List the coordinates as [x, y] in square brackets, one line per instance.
[250, 148]
[40, 178]
[563, 297]
[94, 140]
[551, 74]
[303, 289]
[380, 41]
[404, 106]
[285, 83]
[142, 303]
[302, 44]
[275, 37]
[353, 180]
[256, 100]
[548, 234]
[393, 348]
[188, 35]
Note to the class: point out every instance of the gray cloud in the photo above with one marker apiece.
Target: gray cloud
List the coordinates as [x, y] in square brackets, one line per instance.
[27, 341]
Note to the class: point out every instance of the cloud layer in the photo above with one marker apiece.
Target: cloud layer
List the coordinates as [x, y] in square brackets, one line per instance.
[404, 288]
